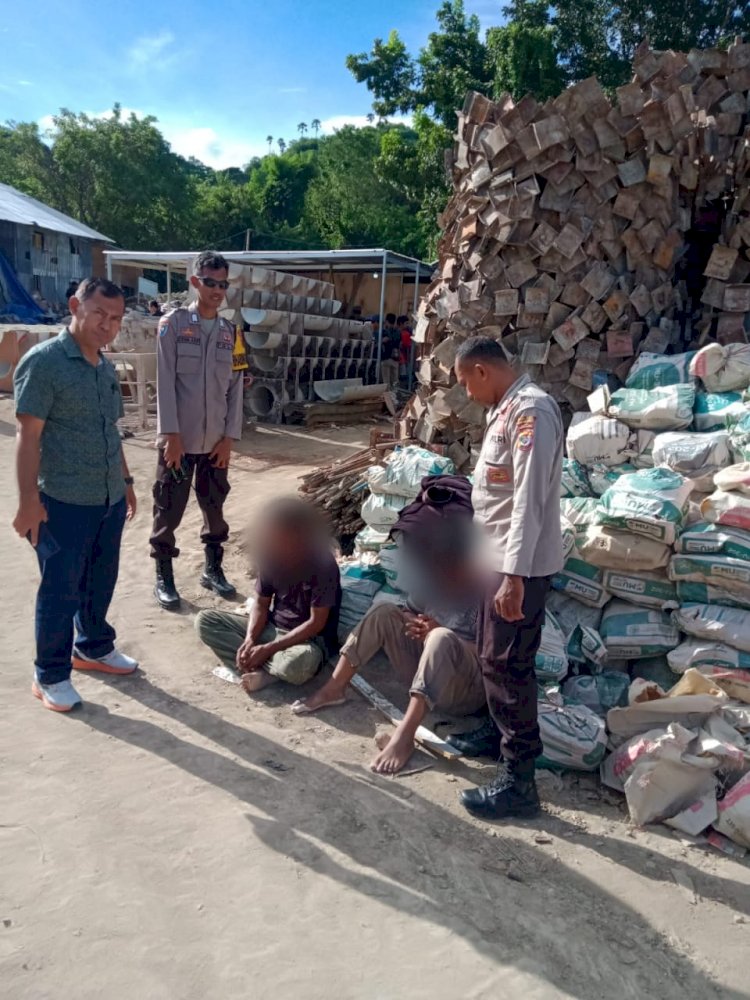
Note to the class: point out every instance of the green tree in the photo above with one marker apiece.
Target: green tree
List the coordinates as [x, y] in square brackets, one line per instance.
[26, 162]
[389, 73]
[269, 140]
[315, 124]
[302, 128]
[524, 60]
[281, 144]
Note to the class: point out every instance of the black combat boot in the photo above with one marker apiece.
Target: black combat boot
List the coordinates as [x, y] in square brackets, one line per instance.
[165, 590]
[212, 577]
[481, 742]
[512, 795]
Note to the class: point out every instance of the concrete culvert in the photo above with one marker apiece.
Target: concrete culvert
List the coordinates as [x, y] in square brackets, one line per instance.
[261, 400]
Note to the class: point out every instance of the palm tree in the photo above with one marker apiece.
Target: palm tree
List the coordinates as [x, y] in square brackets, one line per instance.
[302, 128]
[269, 140]
[371, 118]
[316, 123]
[282, 145]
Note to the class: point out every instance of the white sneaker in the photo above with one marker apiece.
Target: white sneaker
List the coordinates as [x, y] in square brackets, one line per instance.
[113, 663]
[60, 697]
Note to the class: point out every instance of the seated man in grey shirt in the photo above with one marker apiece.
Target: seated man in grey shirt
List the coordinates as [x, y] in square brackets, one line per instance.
[432, 650]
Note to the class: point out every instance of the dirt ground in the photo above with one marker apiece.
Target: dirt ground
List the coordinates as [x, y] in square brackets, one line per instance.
[174, 839]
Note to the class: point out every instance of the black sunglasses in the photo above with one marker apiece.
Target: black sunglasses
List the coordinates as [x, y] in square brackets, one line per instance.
[213, 283]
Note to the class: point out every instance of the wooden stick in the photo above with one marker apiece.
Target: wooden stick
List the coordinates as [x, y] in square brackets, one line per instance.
[423, 735]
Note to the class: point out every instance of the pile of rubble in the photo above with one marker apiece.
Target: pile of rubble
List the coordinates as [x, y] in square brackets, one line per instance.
[582, 232]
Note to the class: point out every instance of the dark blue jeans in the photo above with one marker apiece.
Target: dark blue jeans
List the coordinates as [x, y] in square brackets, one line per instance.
[77, 585]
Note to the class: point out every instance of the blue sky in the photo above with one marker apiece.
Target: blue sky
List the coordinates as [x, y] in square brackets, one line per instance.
[220, 77]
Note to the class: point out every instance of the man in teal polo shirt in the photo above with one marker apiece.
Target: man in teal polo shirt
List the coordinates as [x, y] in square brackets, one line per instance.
[75, 491]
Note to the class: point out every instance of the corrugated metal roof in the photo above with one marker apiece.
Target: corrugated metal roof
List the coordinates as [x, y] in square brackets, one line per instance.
[27, 211]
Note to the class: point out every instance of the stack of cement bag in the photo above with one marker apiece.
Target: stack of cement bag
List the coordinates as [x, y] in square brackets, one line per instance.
[656, 522]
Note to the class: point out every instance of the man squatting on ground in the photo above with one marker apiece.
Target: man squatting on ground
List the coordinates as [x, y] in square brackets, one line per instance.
[199, 406]
[516, 500]
[434, 652]
[292, 627]
[75, 491]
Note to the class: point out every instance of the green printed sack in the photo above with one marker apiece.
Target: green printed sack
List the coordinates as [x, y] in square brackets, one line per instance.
[712, 410]
[579, 511]
[723, 572]
[739, 436]
[599, 692]
[647, 589]
[574, 481]
[551, 663]
[706, 654]
[714, 623]
[634, 633]
[667, 409]
[601, 477]
[651, 371]
[714, 539]
[609, 548]
[701, 593]
[573, 737]
[652, 503]
[584, 582]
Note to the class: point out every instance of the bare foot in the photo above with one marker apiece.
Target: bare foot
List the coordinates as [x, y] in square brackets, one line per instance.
[395, 755]
[256, 680]
[329, 695]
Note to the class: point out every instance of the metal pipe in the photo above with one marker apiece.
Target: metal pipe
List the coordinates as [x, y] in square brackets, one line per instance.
[382, 309]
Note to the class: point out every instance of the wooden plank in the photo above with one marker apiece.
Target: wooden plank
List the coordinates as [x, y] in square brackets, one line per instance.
[423, 735]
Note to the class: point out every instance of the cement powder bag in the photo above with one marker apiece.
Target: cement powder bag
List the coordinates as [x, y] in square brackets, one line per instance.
[714, 539]
[729, 509]
[734, 813]
[712, 410]
[690, 592]
[739, 436]
[570, 613]
[654, 671]
[551, 662]
[696, 456]
[735, 478]
[651, 371]
[647, 589]
[381, 511]
[644, 450]
[574, 481]
[722, 368]
[714, 623]
[580, 512]
[405, 470]
[635, 633]
[652, 503]
[573, 737]
[722, 572]
[370, 540]
[597, 440]
[667, 409]
[599, 692]
[586, 647]
[706, 654]
[392, 564]
[568, 537]
[584, 582]
[609, 548]
[601, 477]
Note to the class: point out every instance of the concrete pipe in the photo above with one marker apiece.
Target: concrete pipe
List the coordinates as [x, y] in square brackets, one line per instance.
[265, 361]
[262, 400]
[259, 340]
[233, 297]
[316, 324]
[267, 319]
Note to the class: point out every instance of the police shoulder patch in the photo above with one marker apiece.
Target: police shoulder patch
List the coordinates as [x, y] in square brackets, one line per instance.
[525, 427]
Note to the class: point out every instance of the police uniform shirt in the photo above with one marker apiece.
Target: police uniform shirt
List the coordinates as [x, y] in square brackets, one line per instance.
[516, 494]
[199, 396]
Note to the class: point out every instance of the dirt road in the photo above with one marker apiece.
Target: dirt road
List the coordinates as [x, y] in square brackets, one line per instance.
[174, 840]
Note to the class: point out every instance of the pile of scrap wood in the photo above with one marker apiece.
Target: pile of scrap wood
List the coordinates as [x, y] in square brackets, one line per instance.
[318, 414]
[582, 232]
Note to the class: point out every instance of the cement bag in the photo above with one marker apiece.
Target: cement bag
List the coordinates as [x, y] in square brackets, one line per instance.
[734, 813]
[666, 409]
[370, 540]
[635, 633]
[696, 456]
[739, 436]
[730, 509]
[620, 550]
[661, 773]
[706, 654]
[405, 470]
[573, 737]
[653, 671]
[714, 539]
[601, 477]
[586, 646]
[712, 409]
[644, 450]
[599, 692]
[574, 481]
[690, 592]
[651, 371]
[715, 624]
[652, 503]
[596, 440]
[381, 511]
[734, 478]
[392, 564]
[570, 613]
[647, 589]
[568, 537]
[551, 662]
[722, 572]
[584, 582]
[580, 512]
[722, 368]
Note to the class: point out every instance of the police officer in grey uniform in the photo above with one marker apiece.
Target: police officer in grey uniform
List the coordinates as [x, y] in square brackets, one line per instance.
[516, 499]
[199, 402]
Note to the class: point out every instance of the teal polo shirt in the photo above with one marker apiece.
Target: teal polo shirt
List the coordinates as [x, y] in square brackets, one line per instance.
[81, 450]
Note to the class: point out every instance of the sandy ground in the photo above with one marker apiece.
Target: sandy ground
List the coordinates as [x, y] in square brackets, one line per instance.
[174, 839]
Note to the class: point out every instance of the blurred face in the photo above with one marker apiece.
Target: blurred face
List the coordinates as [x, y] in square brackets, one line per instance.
[208, 285]
[282, 546]
[477, 380]
[96, 322]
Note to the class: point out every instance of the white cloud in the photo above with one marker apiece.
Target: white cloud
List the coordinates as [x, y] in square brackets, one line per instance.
[214, 149]
[360, 121]
[24, 83]
[150, 50]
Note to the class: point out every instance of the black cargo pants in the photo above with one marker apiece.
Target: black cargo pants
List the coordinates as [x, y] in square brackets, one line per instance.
[170, 500]
[507, 651]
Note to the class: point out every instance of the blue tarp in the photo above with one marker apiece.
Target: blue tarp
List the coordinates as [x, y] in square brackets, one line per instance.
[14, 299]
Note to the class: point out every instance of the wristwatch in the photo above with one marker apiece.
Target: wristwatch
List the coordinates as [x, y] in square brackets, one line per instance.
[129, 481]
